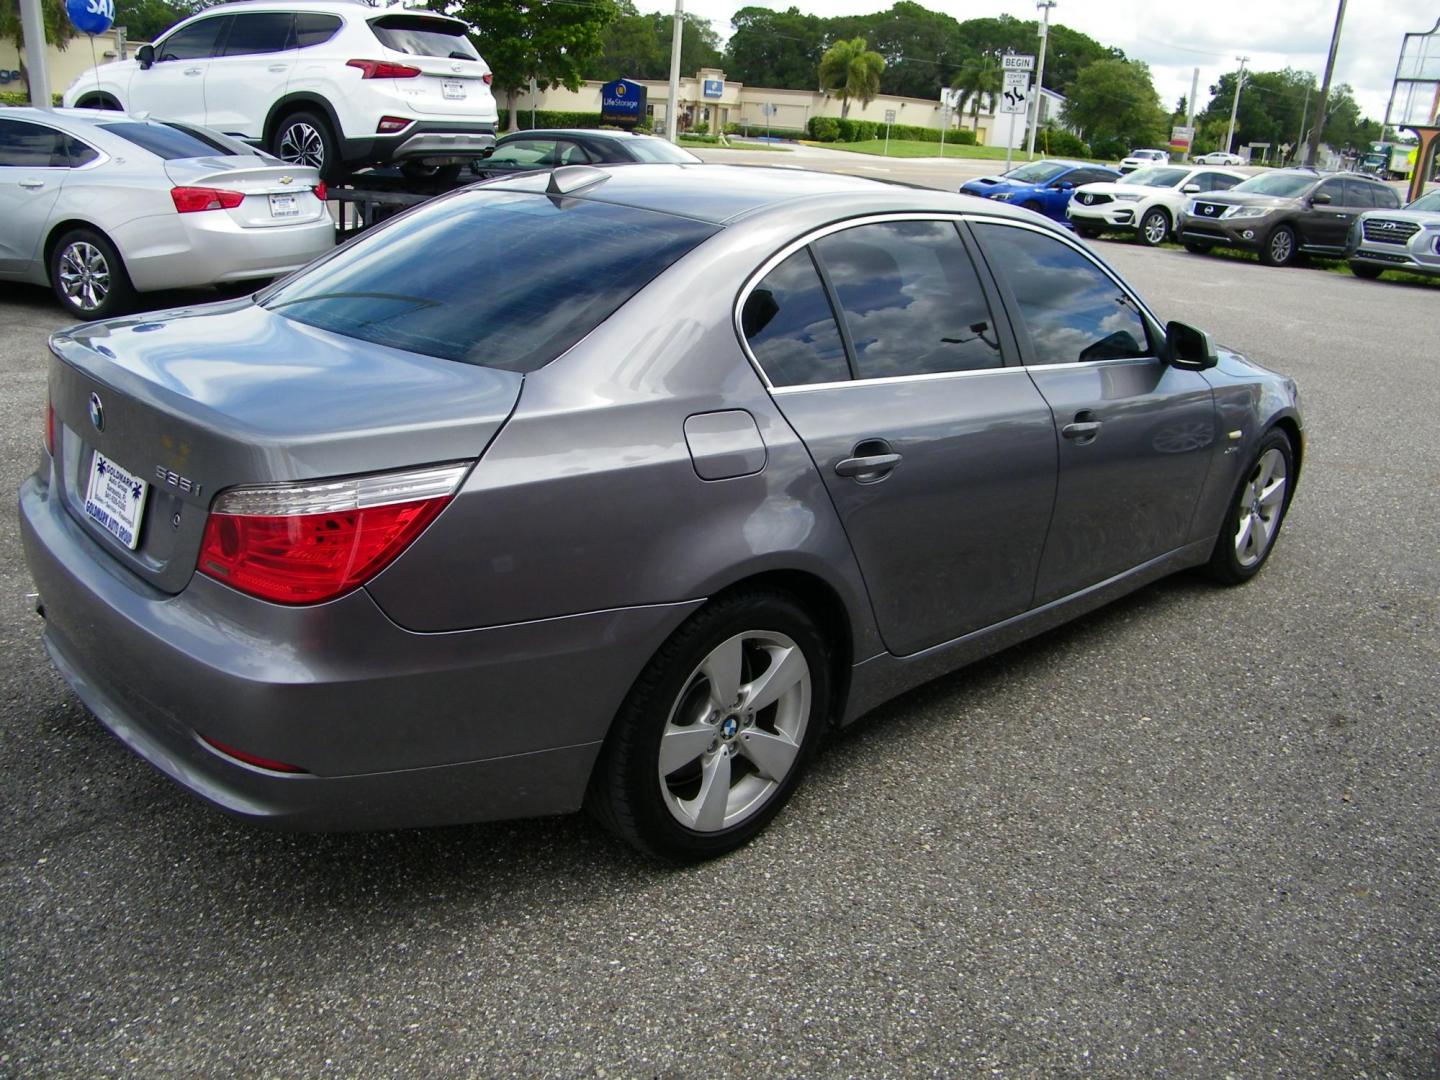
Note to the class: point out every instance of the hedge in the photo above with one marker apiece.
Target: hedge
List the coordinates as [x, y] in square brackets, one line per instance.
[21, 97]
[831, 129]
[553, 118]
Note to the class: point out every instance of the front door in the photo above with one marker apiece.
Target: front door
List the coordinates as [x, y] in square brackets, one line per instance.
[1135, 435]
[173, 88]
[939, 460]
[33, 166]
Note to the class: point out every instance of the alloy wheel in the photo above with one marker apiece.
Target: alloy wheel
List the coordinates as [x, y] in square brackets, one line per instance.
[302, 144]
[1262, 501]
[1282, 244]
[84, 275]
[1154, 227]
[735, 730]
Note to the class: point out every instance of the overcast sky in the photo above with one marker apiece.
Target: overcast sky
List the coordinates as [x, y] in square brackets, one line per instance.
[1176, 38]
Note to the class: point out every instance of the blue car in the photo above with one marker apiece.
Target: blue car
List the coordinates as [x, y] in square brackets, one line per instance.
[1042, 186]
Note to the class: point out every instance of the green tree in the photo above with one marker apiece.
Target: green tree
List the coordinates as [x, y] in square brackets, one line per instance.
[1113, 105]
[638, 46]
[530, 39]
[145, 20]
[850, 70]
[979, 78]
[58, 28]
[775, 48]
[921, 48]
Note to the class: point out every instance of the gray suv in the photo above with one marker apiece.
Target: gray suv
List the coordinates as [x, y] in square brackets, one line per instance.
[1407, 239]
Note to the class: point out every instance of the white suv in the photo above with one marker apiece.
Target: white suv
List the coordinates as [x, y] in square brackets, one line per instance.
[1145, 202]
[331, 83]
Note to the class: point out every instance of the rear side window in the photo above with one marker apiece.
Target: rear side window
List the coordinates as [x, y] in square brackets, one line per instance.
[790, 328]
[1385, 198]
[1359, 193]
[194, 42]
[1073, 311]
[421, 36]
[312, 28]
[499, 279]
[910, 299]
[258, 32]
[167, 141]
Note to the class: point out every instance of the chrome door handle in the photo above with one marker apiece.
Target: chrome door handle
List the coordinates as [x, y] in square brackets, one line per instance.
[192, 71]
[277, 67]
[33, 185]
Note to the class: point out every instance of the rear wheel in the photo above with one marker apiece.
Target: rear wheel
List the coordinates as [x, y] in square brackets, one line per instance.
[303, 138]
[716, 732]
[1366, 271]
[88, 277]
[1154, 227]
[1280, 248]
[1256, 513]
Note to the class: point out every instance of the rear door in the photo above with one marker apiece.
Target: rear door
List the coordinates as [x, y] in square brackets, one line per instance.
[249, 72]
[1135, 435]
[885, 355]
[1324, 225]
[173, 88]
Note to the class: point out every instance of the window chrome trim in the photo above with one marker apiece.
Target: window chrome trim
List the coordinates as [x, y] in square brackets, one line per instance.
[101, 156]
[890, 380]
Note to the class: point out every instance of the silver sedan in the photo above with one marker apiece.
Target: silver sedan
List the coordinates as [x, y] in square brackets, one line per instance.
[100, 206]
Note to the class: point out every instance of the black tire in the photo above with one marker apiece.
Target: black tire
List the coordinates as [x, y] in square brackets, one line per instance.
[1148, 234]
[305, 138]
[1088, 232]
[439, 174]
[627, 793]
[1197, 249]
[1035, 206]
[99, 101]
[1366, 271]
[89, 277]
[1280, 248]
[1226, 563]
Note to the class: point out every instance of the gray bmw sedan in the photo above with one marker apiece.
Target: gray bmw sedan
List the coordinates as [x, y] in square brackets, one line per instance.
[617, 488]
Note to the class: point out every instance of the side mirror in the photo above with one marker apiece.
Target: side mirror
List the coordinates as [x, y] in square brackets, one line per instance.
[146, 56]
[1064, 185]
[1191, 189]
[1322, 198]
[1188, 348]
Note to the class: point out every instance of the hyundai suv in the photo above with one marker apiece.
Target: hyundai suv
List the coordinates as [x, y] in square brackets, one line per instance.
[1284, 214]
[327, 83]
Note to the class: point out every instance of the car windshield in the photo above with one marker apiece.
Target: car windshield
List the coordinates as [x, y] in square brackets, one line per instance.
[1156, 176]
[1430, 202]
[170, 141]
[421, 35]
[500, 279]
[1282, 184]
[1037, 172]
[658, 150]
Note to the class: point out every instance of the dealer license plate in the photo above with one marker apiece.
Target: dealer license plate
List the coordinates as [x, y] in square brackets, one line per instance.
[115, 500]
[453, 89]
[283, 206]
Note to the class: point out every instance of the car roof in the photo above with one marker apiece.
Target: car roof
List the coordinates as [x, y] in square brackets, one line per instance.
[726, 194]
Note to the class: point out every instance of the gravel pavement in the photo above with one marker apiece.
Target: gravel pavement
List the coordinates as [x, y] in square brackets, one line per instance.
[1194, 834]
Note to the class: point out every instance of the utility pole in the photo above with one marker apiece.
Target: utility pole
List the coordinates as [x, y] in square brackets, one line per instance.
[672, 109]
[36, 74]
[1235, 105]
[1312, 148]
[1044, 7]
[1190, 109]
[1305, 115]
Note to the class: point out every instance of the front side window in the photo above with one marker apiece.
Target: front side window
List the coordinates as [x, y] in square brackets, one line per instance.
[1072, 309]
[790, 328]
[910, 298]
[194, 42]
[499, 279]
[31, 146]
[258, 32]
[420, 35]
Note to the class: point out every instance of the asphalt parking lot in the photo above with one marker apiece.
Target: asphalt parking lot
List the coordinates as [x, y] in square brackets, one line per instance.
[1196, 833]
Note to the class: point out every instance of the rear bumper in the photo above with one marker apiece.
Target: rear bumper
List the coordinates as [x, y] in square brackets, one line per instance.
[393, 728]
[427, 139]
[184, 250]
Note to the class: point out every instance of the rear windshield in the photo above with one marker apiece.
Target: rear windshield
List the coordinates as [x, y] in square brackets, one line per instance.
[500, 279]
[170, 141]
[1280, 184]
[422, 36]
[658, 150]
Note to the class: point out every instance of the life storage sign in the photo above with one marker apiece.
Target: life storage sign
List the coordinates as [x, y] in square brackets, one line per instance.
[622, 102]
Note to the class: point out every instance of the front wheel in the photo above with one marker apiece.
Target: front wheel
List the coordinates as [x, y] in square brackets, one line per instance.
[1197, 249]
[1154, 227]
[89, 277]
[1280, 248]
[1088, 232]
[716, 732]
[1366, 271]
[1256, 513]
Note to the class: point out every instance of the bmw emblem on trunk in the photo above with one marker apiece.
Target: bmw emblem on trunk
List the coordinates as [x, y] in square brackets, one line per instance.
[97, 412]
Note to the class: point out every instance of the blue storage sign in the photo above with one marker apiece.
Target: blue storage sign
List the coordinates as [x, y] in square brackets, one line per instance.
[622, 102]
[714, 88]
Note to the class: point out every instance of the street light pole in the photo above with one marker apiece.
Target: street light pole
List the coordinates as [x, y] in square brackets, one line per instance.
[1312, 148]
[1044, 7]
[1235, 105]
[672, 109]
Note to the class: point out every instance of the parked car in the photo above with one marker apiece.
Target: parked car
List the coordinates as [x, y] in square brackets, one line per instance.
[545, 148]
[1284, 214]
[1219, 157]
[100, 206]
[1407, 239]
[1042, 186]
[789, 444]
[1146, 202]
[327, 83]
[1141, 159]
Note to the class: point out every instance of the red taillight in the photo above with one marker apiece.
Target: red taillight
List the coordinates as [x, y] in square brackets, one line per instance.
[383, 69]
[49, 428]
[191, 200]
[320, 192]
[489, 77]
[251, 759]
[390, 124]
[304, 544]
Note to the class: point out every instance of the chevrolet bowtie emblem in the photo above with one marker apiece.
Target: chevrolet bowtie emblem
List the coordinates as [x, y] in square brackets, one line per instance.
[287, 179]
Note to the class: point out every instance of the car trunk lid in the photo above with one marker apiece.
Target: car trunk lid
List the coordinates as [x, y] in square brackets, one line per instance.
[274, 195]
[259, 399]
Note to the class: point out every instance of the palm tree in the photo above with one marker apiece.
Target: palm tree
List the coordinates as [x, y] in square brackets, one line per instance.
[849, 70]
[979, 77]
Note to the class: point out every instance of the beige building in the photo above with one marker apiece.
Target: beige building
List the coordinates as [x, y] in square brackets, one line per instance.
[64, 65]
